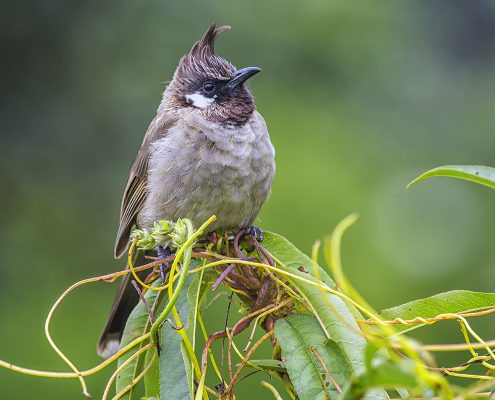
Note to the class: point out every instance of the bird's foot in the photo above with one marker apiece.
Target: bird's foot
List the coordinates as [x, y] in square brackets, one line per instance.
[255, 233]
[212, 237]
[163, 253]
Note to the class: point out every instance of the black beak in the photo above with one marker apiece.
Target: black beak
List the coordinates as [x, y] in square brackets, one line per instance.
[242, 76]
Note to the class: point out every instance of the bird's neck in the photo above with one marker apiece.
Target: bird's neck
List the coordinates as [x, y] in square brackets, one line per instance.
[221, 133]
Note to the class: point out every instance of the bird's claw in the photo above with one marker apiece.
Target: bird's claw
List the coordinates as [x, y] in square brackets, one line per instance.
[255, 232]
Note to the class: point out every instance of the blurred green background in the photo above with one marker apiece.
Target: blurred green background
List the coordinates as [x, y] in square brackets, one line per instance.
[360, 97]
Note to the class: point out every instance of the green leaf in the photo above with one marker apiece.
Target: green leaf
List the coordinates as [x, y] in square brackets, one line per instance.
[297, 335]
[267, 365]
[474, 173]
[152, 377]
[291, 256]
[453, 302]
[391, 375]
[176, 375]
[337, 320]
[387, 375]
[136, 326]
[174, 381]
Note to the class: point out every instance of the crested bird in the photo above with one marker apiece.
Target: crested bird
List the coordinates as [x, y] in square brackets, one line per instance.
[207, 152]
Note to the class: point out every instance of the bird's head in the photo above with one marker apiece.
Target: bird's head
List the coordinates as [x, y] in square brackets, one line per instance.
[210, 85]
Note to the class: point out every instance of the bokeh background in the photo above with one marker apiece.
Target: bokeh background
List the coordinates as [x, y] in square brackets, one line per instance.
[360, 97]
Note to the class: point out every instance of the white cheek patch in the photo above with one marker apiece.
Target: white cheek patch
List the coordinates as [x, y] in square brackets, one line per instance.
[198, 100]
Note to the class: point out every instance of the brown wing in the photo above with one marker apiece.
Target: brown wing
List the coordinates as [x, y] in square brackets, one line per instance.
[135, 190]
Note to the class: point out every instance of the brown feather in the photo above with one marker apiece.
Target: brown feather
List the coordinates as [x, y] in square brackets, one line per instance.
[135, 191]
[205, 47]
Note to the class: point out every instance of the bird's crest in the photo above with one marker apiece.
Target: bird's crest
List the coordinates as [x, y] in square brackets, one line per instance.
[205, 47]
[201, 60]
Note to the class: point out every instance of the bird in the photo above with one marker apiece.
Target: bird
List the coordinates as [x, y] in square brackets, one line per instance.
[206, 152]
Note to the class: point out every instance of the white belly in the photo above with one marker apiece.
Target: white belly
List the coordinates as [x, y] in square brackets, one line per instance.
[210, 170]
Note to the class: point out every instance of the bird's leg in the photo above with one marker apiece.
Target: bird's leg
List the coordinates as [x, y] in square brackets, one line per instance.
[163, 253]
[255, 232]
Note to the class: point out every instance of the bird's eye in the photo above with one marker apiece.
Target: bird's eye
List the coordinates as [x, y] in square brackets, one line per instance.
[208, 87]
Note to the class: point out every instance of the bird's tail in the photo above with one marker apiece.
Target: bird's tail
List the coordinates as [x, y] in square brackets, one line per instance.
[125, 300]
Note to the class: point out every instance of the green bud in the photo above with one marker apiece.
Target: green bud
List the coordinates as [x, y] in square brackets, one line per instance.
[161, 232]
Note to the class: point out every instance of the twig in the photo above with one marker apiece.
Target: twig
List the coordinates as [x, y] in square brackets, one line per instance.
[271, 389]
[222, 276]
[269, 311]
[49, 317]
[457, 346]
[143, 299]
[136, 379]
[226, 323]
[121, 367]
[242, 324]
[205, 335]
[421, 320]
[325, 368]
[246, 359]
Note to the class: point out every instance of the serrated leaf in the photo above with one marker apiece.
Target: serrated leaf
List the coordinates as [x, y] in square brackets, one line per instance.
[474, 173]
[136, 326]
[336, 319]
[455, 302]
[297, 335]
[176, 381]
